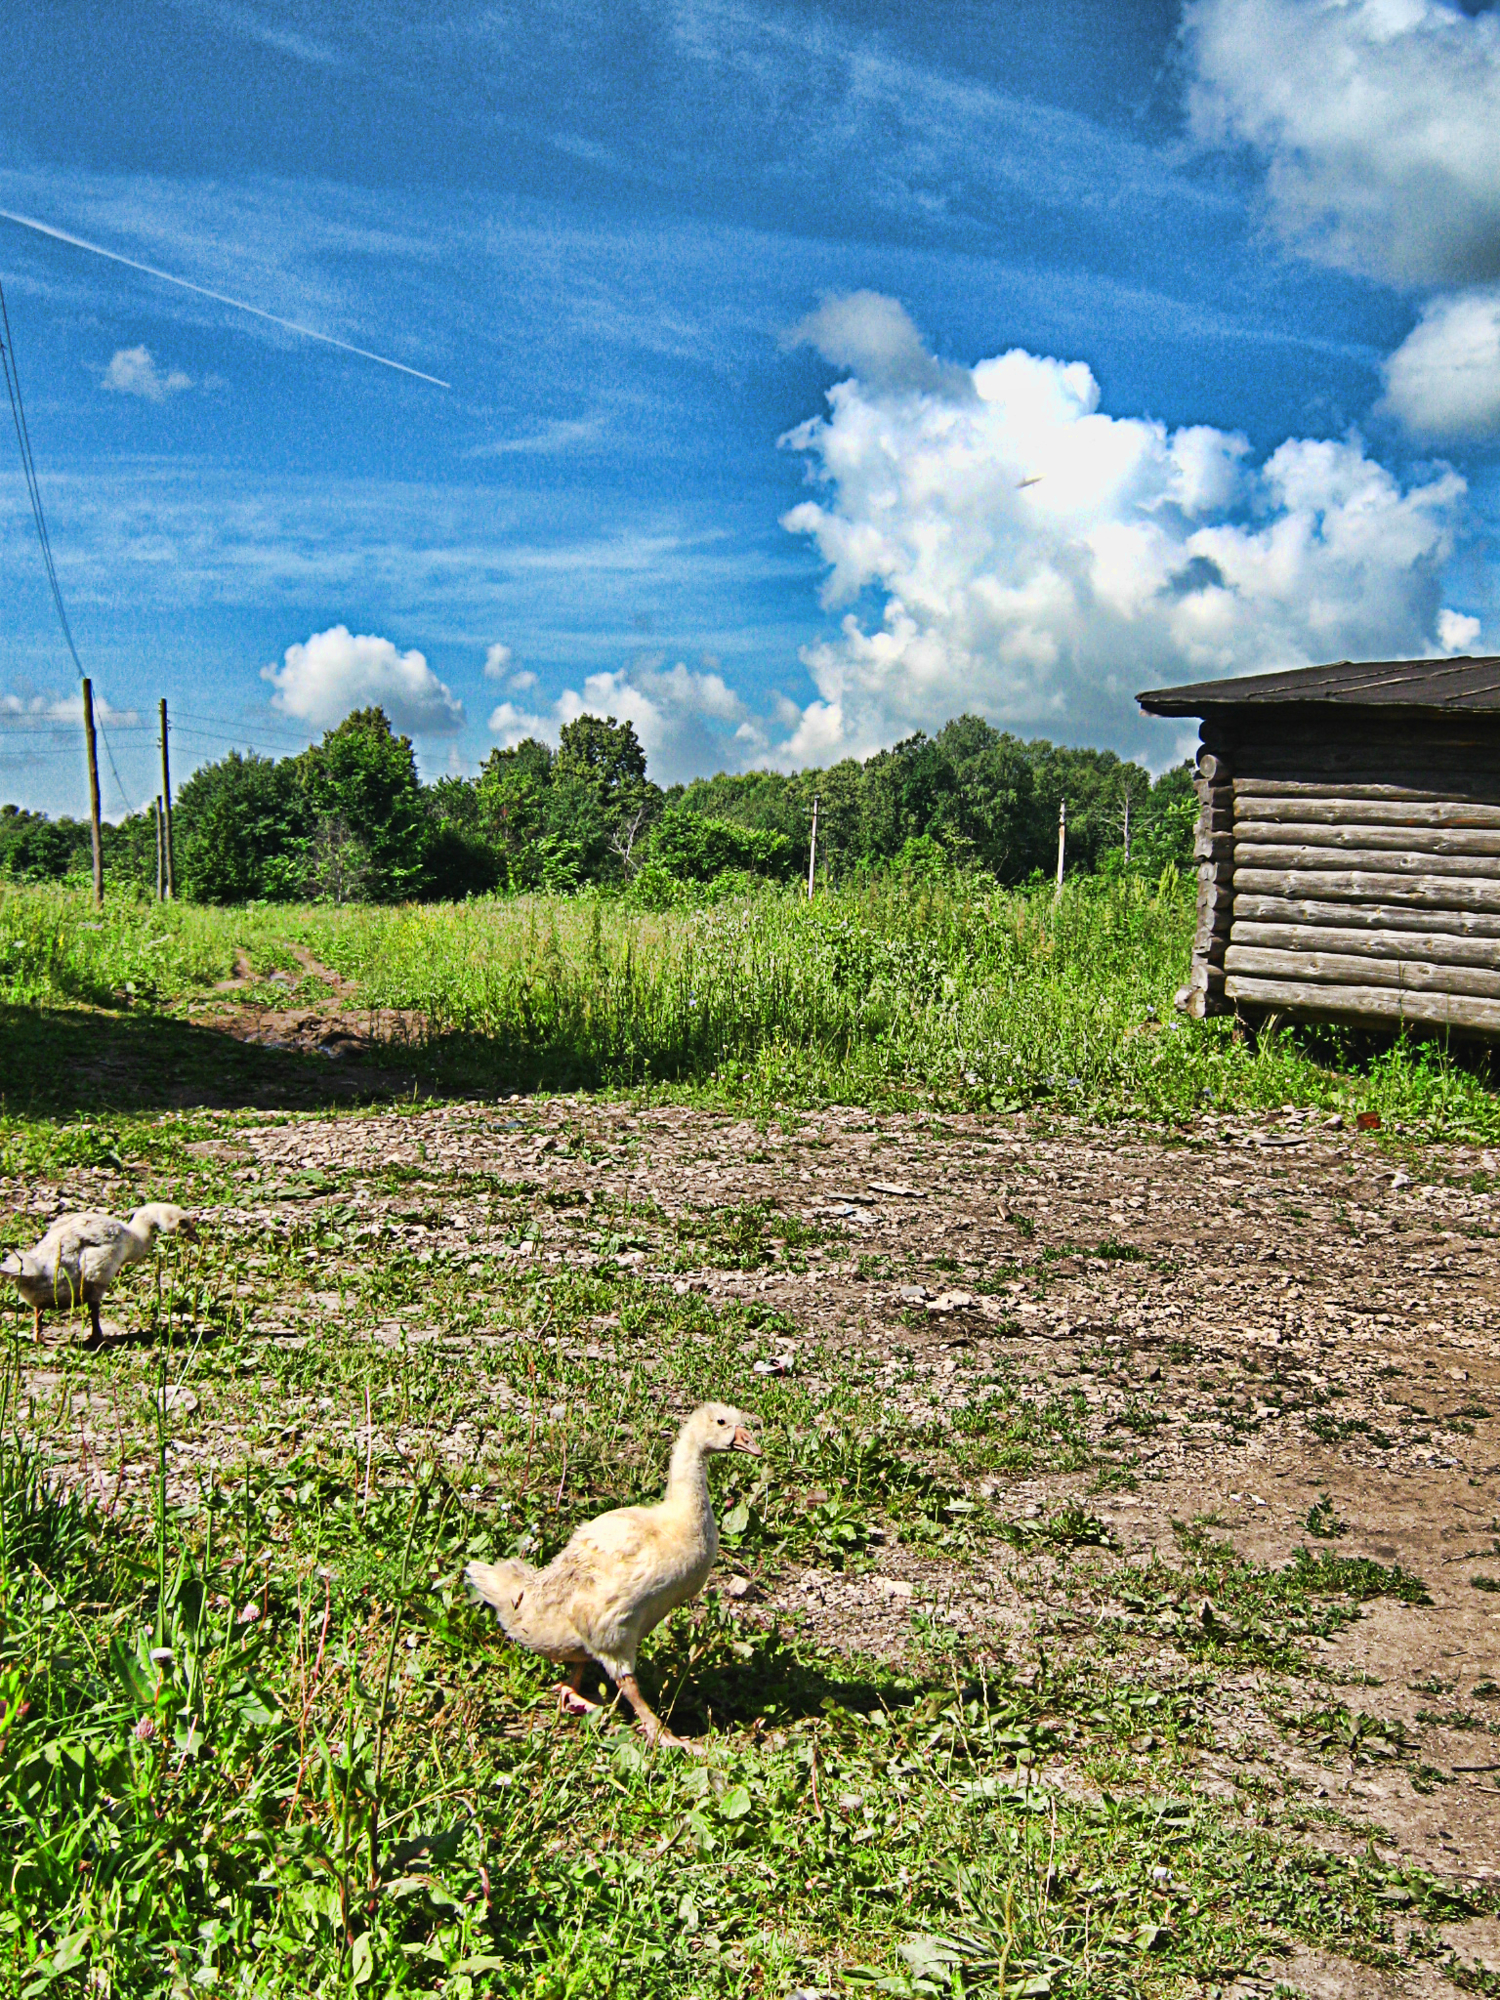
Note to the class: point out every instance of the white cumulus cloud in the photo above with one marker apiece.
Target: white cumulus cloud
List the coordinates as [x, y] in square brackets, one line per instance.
[499, 665]
[1456, 631]
[1379, 121]
[688, 718]
[1039, 560]
[132, 371]
[1444, 379]
[335, 671]
[510, 725]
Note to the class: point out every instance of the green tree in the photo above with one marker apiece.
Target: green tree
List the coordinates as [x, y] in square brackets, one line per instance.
[233, 823]
[34, 848]
[511, 798]
[604, 759]
[694, 848]
[460, 860]
[364, 777]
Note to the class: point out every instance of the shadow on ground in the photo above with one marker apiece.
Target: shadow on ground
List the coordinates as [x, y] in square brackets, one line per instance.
[764, 1678]
[58, 1062]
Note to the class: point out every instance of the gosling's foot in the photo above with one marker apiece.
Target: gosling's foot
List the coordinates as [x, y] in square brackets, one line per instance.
[571, 1702]
[662, 1738]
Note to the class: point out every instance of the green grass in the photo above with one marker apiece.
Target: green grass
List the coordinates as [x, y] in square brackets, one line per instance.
[892, 995]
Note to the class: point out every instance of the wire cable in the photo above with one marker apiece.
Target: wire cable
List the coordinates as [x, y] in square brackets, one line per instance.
[119, 786]
[28, 467]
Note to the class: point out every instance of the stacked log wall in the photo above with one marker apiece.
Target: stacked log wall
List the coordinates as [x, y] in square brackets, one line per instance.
[1213, 851]
[1365, 875]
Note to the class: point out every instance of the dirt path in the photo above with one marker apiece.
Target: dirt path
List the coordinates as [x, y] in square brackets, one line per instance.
[334, 1026]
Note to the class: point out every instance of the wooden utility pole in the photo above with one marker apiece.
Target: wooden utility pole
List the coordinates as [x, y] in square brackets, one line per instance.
[812, 855]
[88, 737]
[165, 806]
[1062, 841]
[161, 870]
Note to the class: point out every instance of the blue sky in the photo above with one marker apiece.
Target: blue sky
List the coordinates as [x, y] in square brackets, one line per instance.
[816, 371]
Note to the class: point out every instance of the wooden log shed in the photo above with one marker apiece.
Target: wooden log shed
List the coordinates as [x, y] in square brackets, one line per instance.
[1348, 843]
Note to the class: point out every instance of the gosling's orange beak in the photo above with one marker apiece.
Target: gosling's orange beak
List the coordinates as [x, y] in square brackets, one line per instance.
[743, 1441]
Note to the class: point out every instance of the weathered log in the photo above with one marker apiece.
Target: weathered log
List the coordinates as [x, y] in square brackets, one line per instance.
[1362, 886]
[1394, 861]
[1439, 788]
[1216, 814]
[1213, 846]
[1213, 766]
[1338, 969]
[1336, 808]
[1358, 1003]
[1215, 872]
[1365, 916]
[1355, 832]
[1415, 946]
[1454, 771]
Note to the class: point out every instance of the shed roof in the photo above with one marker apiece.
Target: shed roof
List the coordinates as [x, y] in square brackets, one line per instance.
[1432, 687]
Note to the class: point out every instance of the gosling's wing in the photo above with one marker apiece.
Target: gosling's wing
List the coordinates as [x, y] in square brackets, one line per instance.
[619, 1575]
[624, 1536]
[67, 1256]
[101, 1248]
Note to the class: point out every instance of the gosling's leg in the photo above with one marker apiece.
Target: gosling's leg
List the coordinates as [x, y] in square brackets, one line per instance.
[96, 1333]
[571, 1699]
[653, 1728]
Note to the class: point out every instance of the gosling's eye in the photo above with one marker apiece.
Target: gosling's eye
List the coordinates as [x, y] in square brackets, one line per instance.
[721, 1421]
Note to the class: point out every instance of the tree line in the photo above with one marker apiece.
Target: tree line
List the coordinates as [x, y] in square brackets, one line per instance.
[349, 820]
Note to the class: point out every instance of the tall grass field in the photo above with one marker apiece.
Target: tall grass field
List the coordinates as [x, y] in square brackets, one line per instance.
[964, 995]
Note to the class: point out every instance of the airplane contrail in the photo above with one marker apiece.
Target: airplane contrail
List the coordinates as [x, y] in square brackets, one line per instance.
[220, 298]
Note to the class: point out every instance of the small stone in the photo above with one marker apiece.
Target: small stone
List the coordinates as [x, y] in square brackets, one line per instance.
[894, 1587]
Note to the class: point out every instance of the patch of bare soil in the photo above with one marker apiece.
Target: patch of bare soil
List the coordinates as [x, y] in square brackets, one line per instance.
[331, 1026]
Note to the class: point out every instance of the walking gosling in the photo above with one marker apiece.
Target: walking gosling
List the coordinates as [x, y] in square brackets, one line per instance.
[620, 1575]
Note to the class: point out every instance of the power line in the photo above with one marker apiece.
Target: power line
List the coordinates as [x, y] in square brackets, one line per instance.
[119, 786]
[28, 467]
[63, 729]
